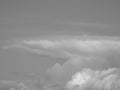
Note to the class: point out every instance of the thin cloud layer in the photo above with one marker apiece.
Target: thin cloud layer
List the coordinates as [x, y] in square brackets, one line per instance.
[86, 51]
[77, 49]
[83, 24]
[69, 46]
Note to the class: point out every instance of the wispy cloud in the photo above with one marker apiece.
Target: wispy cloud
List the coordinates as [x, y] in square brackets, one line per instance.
[88, 24]
[86, 44]
[77, 50]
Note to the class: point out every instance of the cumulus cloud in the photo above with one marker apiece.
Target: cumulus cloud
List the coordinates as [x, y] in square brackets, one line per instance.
[88, 79]
[97, 53]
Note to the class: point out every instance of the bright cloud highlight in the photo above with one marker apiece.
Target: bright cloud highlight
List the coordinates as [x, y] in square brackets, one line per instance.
[89, 79]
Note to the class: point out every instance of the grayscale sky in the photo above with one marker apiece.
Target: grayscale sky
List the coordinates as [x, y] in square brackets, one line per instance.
[36, 18]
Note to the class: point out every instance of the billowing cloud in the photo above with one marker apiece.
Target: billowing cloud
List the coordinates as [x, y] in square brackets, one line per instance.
[89, 79]
[97, 53]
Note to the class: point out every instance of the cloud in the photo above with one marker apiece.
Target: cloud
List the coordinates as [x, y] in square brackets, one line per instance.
[84, 24]
[88, 79]
[5, 84]
[97, 53]
[70, 45]
[82, 48]
[82, 51]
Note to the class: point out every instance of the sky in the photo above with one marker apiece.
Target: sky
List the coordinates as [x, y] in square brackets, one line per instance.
[55, 17]
[50, 20]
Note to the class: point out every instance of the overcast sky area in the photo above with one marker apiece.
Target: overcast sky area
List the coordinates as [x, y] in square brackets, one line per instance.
[47, 36]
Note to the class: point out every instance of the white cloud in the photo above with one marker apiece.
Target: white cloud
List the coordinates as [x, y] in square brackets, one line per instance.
[83, 50]
[83, 44]
[89, 79]
[93, 52]
[77, 49]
